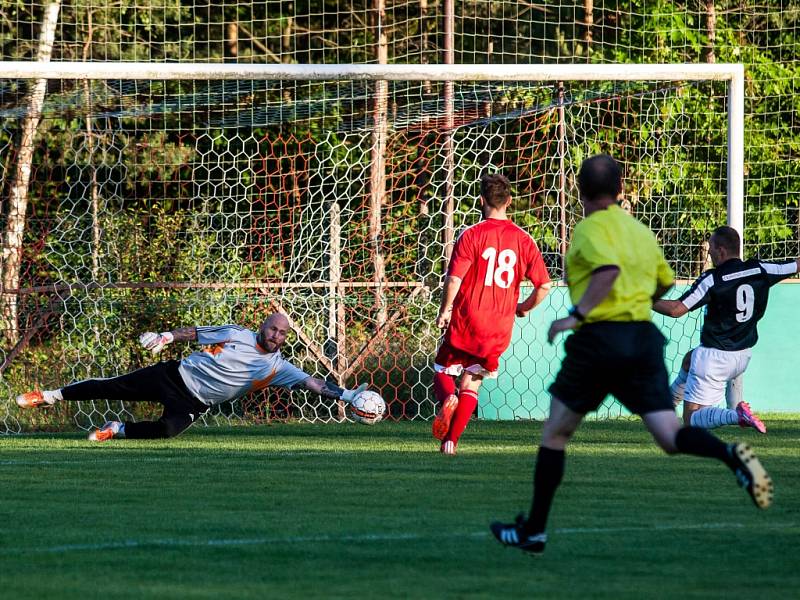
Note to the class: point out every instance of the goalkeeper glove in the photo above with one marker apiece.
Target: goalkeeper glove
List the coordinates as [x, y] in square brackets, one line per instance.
[349, 395]
[155, 342]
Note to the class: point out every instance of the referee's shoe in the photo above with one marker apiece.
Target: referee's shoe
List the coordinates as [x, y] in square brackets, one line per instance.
[751, 475]
[513, 535]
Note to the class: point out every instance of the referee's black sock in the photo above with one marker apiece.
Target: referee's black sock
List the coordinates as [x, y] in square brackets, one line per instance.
[546, 479]
[697, 441]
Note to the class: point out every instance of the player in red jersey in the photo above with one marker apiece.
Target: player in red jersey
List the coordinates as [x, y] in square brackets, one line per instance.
[479, 301]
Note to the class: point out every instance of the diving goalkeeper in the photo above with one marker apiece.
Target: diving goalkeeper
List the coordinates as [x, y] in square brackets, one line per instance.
[233, 362]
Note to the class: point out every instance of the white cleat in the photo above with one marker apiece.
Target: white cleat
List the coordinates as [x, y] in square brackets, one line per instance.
[448, 447]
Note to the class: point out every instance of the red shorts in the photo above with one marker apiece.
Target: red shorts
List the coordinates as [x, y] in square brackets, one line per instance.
[454, 361]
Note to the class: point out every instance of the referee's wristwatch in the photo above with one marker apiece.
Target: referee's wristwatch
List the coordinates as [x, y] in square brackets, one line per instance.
[574, 312]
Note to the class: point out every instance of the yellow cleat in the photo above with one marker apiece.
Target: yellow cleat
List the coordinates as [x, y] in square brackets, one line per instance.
[751, 475]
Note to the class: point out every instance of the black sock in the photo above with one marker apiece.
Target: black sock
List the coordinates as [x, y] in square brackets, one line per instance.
[546, 479]
[699, 442]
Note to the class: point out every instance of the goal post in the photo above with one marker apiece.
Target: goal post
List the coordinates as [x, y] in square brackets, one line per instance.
[164, 195]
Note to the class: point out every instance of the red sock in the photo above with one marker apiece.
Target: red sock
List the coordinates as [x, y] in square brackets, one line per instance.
[444, 385]
[467, 401]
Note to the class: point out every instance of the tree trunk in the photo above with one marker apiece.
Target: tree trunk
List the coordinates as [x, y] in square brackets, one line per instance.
[232, 40]
[286, 53]
[588, 20]
[448, 228]
[18, 192]
[378, 164]
[423, 28]
[711, 27]
[95, 192]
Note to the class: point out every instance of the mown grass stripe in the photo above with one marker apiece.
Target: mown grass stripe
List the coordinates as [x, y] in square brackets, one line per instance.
[368, 537]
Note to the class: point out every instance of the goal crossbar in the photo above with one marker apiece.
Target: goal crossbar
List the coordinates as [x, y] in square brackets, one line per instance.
[375, 72]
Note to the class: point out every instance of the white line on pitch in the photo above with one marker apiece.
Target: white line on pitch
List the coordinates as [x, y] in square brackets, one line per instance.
[100, 458]
[377, 537]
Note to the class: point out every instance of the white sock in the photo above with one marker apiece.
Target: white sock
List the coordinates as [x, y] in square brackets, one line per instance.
[678, 386]
[734, 391]
[711, 417]
[52, 396]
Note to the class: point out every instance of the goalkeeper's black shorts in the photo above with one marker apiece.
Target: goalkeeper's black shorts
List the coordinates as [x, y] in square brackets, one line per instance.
[624, 359]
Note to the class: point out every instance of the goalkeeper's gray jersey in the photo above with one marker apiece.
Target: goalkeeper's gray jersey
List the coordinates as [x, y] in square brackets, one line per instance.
[231, 364]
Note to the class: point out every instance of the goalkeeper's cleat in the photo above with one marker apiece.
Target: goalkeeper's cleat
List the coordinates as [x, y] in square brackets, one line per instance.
[441, 424]
[110, 430]
[448, 447]
[32, 399]
[751, 475]
[513, 535]
[748, 419]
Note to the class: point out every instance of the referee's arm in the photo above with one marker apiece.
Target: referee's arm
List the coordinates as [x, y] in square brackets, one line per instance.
[599, 287]
[600, 284]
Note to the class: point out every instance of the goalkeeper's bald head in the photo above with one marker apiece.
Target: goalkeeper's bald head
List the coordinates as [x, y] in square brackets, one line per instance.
[273, 332]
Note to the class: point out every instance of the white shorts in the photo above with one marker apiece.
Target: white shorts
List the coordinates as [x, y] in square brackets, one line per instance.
[710, 372]
[456, 370]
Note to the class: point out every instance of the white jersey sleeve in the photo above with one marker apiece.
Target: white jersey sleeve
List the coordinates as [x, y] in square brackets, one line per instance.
[221, 334]
[777, 272]
[698, 295]
[288, 376]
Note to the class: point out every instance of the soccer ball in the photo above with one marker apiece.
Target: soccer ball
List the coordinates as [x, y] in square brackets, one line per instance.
[367, 408]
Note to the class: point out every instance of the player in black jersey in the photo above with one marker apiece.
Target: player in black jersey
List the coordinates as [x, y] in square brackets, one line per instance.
[735, 294]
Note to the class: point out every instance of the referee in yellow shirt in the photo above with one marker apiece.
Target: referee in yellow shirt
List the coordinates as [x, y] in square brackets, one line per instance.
[615, 270]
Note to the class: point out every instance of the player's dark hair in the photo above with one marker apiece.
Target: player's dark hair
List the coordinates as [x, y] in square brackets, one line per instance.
[495, 189]
[600, 176]
[728, 238]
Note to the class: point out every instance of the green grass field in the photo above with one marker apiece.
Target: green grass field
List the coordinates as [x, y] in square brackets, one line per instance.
[347, 511]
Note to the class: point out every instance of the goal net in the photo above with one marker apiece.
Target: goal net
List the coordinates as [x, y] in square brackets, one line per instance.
[149, 197]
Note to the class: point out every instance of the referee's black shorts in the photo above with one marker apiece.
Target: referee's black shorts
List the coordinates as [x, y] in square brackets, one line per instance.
[625, 359]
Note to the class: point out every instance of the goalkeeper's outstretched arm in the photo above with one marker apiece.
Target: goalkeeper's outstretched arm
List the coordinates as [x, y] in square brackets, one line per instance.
[184, 334]
[331, 390]
[155, 342]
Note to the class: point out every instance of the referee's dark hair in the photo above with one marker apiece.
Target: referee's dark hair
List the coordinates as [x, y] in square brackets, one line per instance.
[600, 176]
[728, 238]
[495, 189]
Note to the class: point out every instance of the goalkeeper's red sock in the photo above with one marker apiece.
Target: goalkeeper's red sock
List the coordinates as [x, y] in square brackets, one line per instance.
[467, 401]
[444, 385]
